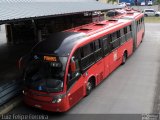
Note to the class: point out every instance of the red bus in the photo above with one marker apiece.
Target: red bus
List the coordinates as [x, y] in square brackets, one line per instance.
[137, 20]
[65, 67]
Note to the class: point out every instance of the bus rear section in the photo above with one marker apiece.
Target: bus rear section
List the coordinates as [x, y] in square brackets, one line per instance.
[137, 23]
[68, 65]
[140, 29]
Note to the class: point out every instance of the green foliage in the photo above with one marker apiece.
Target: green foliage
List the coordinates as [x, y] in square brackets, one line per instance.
[152, 20]
[112, 1]
[158, 1]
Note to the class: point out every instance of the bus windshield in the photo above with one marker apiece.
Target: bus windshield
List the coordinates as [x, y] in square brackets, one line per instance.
[45, 76]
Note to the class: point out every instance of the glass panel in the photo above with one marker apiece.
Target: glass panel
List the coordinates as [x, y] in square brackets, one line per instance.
[46, 76]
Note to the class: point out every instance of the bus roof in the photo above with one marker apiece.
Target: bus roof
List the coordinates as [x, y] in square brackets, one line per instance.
[62, 43]
[59, 44]
[128, 14]
[96, 27]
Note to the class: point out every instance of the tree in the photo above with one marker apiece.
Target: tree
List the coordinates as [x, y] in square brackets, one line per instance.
[113, 1]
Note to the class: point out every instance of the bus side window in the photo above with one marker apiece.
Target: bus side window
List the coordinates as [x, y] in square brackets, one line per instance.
[87, 49]
[114, 36]
[118, 37]
[125, 32]
[128, 36]
[97, 45]
[130, 27]
[142, 22]
[115, 42]
[74, 69]
[122, 37]
[118, 34]
[98, 50]
[106, 40]
[87, 58]
[137, 26]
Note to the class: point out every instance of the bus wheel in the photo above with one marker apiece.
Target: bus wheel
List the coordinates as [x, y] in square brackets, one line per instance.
[157, 15]
[124, 58]
[142, 37]
[145, 15]
[89, 87]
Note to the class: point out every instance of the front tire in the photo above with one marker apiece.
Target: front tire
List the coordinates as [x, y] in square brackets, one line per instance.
[145, 15]
[124, 58]
[89, 87]
[157, 15]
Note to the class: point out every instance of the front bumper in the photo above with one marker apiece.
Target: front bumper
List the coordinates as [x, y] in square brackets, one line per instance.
[48, 106]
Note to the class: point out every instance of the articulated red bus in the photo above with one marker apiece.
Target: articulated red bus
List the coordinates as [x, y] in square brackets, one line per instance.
[68, 65]
[137, 21]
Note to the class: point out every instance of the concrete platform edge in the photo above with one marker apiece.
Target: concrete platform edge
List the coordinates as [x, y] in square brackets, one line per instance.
[4, 109]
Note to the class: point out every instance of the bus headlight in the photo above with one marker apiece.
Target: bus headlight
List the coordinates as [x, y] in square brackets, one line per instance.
[24, 92]
[57, 99]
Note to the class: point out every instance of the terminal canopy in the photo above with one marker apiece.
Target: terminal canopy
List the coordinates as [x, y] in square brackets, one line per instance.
[20, 11]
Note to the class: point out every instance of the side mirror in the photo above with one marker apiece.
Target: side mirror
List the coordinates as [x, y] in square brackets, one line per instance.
[22, 62]
[19, 63]
[73, 65]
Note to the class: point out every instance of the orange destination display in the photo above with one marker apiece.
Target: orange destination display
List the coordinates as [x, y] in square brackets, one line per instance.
[50, 58]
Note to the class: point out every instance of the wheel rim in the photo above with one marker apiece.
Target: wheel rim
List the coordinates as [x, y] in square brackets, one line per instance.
[89, 86]
[124, 58]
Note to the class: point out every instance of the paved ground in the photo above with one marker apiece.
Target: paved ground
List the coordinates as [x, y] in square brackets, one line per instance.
[132, 88]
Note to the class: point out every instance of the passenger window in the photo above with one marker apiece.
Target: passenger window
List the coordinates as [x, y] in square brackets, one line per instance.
[130, 27]
[87, 56]
[98, 50]
[125, 30]
[138, 26]
[123, 37]
[97, 44]
[88, 49]
[121, 32]
[129, 34]
[115, 42]
[106, 40]
[118, 34]
[114, 36]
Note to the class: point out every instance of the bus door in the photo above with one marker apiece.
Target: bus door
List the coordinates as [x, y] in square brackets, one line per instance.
[134, 34]
[74, 80]
[106, 51]
[99, 66]
[114, 56]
